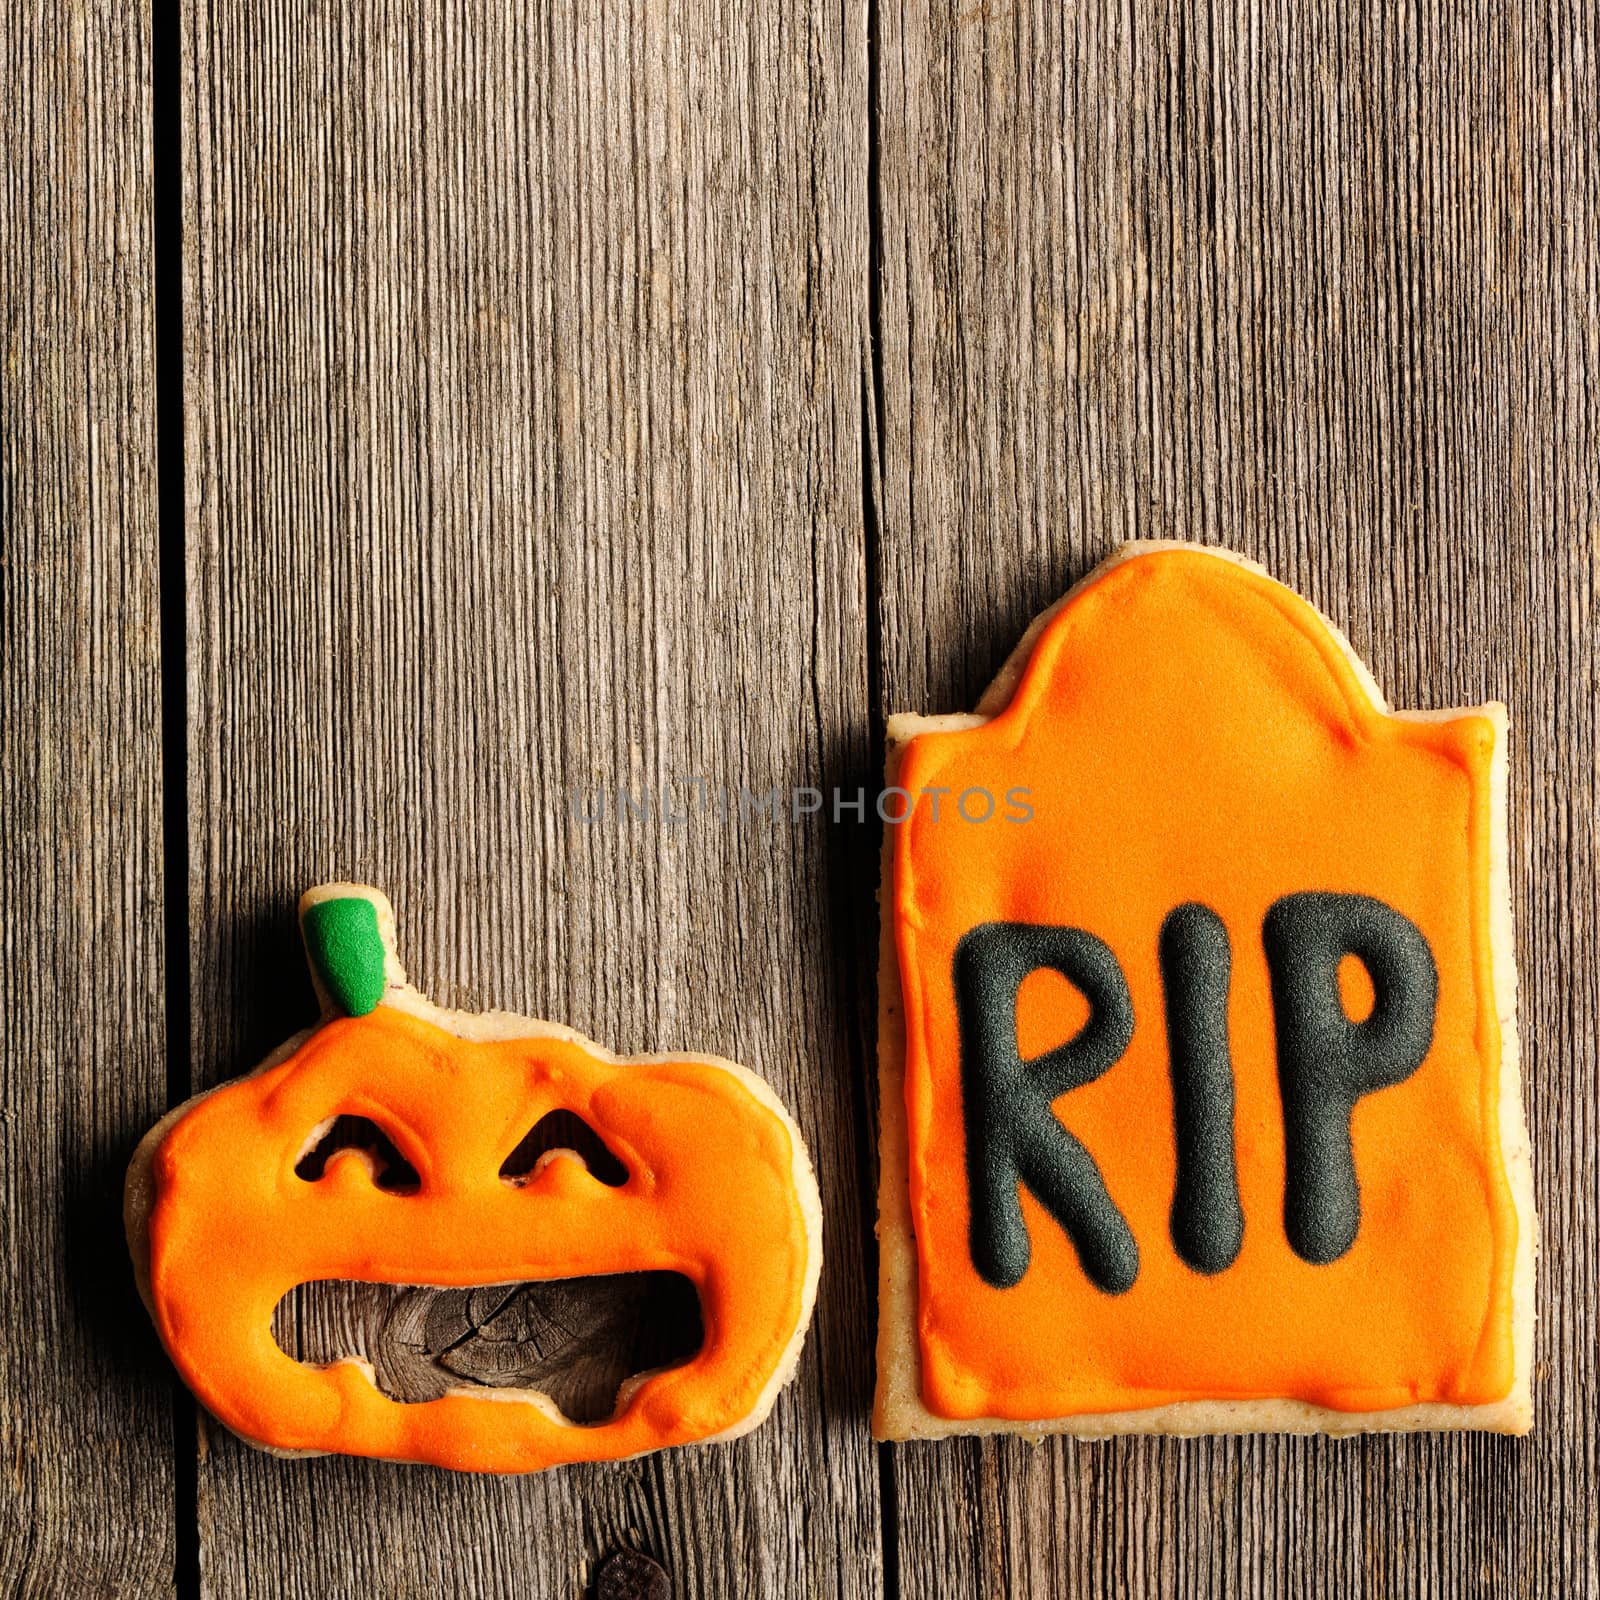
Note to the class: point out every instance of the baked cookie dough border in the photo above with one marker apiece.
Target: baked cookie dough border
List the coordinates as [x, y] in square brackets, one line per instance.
[898, 1410]
[139, 1194]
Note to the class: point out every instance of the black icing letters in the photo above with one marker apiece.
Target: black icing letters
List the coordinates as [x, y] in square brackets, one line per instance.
[1013, 1135]
[1196, 964]
[1326, 1062]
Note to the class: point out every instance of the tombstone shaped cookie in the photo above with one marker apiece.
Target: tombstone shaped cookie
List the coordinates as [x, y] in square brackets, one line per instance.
[259, 1186]
[1200, 1100]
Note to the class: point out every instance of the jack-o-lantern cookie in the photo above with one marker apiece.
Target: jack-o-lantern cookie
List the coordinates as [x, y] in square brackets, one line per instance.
[1200, 1101]
[235, 1198]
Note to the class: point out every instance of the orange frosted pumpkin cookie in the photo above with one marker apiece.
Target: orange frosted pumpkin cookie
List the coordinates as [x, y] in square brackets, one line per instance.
[1198, 1058]
[240, 1195]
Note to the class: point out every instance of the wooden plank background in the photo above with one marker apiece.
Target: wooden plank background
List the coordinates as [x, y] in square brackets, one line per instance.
[524, 358]
[86, 1450]
[1317, 283]
[583, 397]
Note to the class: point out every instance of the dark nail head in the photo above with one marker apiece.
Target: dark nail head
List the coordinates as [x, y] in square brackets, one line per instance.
[632, 1575]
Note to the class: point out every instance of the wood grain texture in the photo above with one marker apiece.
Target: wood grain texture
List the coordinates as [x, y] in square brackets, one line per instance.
[1318, 283]
[85, 1400]
[524, 361]
[576, 1340]
[524, 351]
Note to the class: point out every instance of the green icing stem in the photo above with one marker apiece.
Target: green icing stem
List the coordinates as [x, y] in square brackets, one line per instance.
[346, 951]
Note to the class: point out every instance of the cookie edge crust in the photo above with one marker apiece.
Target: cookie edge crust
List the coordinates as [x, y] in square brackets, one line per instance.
[138, 1199]
[898, 1411]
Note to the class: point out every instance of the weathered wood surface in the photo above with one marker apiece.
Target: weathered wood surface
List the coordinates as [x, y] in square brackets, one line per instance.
[1318, 283]
[525, 353]
[85, 1401]
[575, 1340]
[534, 441]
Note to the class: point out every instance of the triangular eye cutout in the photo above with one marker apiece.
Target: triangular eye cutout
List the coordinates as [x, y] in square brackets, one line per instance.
[562, 1130]
[387, 1168]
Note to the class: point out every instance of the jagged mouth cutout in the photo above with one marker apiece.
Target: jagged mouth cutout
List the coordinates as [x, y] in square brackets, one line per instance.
[581, 1343]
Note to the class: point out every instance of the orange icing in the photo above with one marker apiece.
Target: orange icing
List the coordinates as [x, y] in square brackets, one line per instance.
[710, 1194]
[1191, 730]
[1355, 989]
